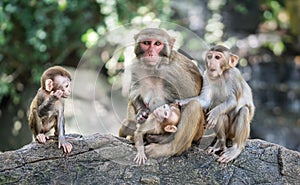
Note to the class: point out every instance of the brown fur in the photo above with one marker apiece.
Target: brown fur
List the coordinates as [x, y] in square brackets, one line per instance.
[173, 77]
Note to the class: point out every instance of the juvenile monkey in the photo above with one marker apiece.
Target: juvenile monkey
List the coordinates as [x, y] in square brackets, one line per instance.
[159, 75]
[47, 107]
[163, 119]
[228, 98]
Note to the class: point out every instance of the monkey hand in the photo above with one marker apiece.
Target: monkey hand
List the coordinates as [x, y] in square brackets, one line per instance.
[140, 158]
[212, 118]
[65, 144]
[142, 115]
[41, 138]
[57, 94]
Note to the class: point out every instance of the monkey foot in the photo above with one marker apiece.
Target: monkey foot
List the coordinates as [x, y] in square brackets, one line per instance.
[159, 150]
[211, 150]
[67, 147]
[229, 154]
[41, 138]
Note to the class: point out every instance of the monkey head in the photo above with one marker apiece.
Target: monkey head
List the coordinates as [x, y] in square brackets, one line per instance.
[219, 59]
[168, 116]
[57, 78]
[151, 44]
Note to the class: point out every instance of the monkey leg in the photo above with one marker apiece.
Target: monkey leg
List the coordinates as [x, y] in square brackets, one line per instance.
[188, 130]
[239, 132]
[220, 130]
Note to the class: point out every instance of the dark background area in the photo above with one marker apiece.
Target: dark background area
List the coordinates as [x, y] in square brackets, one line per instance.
[37, 34]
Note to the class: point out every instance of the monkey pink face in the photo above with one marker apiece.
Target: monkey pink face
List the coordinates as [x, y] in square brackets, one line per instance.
[63, 83]
[215, 60]
[151, 48]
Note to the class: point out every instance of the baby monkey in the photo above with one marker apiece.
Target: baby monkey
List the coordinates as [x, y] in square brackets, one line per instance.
[163, 119]
[228, 98]
[47, 107]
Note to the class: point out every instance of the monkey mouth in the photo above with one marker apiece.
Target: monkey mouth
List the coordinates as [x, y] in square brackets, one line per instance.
[151, 59]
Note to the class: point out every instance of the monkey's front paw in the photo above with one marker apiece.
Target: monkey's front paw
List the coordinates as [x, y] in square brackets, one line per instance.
[181, 102]
[142, 115]
[140, 158]
[57, 94]
[66, 146]
[212, 119]
[41, 138]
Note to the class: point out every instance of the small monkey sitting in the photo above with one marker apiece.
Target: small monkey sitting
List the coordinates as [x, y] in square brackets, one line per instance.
[228, 98]
[47, 107]
[163, 119]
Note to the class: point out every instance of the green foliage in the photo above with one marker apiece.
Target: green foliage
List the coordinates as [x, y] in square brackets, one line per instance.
[36, 34]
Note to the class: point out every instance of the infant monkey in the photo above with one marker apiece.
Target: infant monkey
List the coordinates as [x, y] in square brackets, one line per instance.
[163, 119]
[228, 98]
[47, 107]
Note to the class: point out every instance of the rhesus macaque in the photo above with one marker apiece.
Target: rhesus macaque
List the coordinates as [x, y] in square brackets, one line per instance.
[163, 119]
[228, 98]
[47, 107]
[160, 75]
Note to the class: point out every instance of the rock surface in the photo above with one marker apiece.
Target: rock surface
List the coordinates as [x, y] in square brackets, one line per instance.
[106, 159]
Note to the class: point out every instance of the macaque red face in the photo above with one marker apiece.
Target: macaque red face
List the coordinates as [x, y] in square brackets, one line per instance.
[152, 49]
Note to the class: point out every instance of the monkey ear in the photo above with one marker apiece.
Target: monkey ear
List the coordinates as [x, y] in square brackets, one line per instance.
[170, 128]
[48, 85]
[233, 60]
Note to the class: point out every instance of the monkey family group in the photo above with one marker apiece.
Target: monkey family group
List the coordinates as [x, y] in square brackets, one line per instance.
[166, 90]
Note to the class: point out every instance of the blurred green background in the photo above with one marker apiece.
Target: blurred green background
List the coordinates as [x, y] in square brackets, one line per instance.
[36, 34]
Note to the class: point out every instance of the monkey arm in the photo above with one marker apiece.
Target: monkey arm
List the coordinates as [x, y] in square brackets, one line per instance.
[142, 110]
[205, 95]
[204, 99]
[67, 147]
[46, 106]
[140, 157]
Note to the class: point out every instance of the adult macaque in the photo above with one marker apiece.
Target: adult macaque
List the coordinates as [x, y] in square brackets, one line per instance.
[163, 119]
[47, 107]
[158, 76]
[228, 98]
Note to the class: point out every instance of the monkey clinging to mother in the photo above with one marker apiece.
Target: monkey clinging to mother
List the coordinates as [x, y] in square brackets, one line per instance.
[160, 75]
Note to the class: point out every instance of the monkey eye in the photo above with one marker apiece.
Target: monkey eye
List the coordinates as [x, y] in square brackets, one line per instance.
[157, 43]
[209, 56]
[218, 57]
[146, 42]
